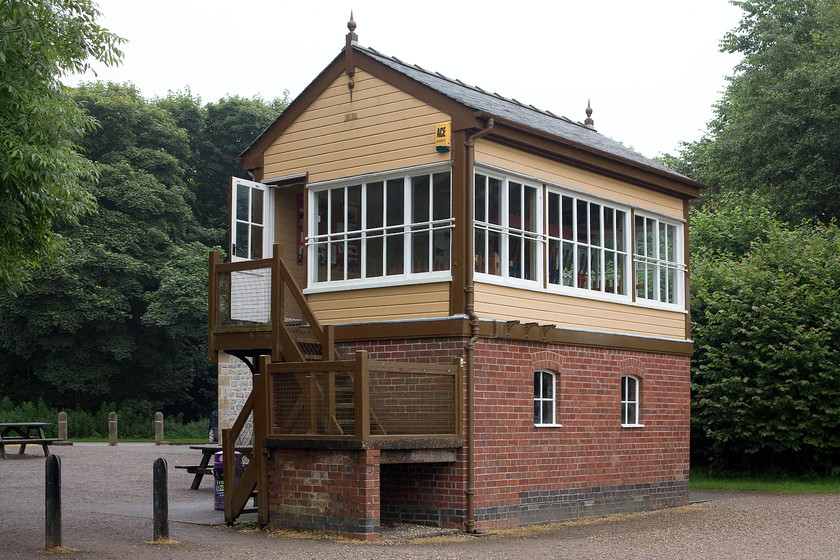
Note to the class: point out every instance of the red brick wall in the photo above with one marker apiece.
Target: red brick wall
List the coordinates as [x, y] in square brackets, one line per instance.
[591, 458]
[325, 489]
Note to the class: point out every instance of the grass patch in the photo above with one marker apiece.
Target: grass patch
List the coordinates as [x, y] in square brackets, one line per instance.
[782, 484]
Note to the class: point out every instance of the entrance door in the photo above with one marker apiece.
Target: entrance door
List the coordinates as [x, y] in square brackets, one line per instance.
[250, 220]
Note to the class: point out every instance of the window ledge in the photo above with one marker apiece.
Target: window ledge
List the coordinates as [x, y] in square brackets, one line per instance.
[548, 425]
[632, 425]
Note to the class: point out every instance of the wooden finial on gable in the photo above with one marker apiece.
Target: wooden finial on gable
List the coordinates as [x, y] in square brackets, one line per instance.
[349, 63]
[589, 122]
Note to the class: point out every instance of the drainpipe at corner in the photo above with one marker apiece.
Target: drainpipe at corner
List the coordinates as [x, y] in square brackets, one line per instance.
[469, 347]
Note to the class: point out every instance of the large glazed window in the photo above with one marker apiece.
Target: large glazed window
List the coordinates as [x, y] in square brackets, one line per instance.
[380, 230]
[658, 260]
[507, 228]
[587, 245]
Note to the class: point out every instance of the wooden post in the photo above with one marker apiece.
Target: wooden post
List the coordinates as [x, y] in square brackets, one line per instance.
[160, 499]
[263, 426]
[362, 390]
[158, 428]
[62, 425]
[112, 428]
[52, 503]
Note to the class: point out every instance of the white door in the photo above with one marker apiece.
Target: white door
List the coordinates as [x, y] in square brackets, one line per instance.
[251, 238]
[250, 226]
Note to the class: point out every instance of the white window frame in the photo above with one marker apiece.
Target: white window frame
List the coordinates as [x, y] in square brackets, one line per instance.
[540, 399]
[505, 233]
[652, 267]
[629, 420]
[620, 249]
[405, 229]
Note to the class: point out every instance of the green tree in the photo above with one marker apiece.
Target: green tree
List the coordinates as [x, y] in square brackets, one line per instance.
[43, 178]
[119, 316]
[776, 130]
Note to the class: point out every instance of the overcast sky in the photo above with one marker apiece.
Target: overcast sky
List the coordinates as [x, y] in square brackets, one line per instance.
[652, 68]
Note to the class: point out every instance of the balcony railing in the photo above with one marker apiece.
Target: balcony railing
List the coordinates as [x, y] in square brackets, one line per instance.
[257, 306]
[362, 399]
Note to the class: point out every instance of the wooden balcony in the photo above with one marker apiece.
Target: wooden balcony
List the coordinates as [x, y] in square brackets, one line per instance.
[257, 308]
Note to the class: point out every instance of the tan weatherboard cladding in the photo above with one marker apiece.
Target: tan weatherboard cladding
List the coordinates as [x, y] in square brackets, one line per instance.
[379, 129]
[392, 303]
[504, 303]
[285, 229]
[531, 165]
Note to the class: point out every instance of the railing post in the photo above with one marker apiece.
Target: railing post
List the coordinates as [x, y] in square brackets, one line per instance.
[262, 429]
[362, 393]
[277, 315]
[328, 346]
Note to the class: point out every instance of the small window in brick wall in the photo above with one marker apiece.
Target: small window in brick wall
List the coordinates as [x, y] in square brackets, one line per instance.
[545, 398]
[630, 399]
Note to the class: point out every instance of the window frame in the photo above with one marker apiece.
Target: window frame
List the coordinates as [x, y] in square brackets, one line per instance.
[621, 247]
[636, 401]
[405, 231]
[507, 232]
[540, 399]
[644, 262]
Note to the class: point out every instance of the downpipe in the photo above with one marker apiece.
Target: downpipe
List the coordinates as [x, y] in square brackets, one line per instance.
[469, 347]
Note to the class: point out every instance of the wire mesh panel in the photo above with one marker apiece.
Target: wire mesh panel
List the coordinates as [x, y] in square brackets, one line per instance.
[244, 297]
[412, 403]
[299, 328]
[244, 445]
[315, 404]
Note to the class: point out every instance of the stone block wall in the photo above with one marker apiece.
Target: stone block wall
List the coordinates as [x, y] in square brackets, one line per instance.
[235, 383]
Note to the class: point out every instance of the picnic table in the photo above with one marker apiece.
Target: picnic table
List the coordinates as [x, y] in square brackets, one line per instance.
[204, 466]
[24, 433]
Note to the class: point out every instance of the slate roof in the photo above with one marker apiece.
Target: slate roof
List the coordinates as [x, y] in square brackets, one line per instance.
[513, 111]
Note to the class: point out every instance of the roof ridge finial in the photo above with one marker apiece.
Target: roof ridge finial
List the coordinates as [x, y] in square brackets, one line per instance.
[589, 122]
[351, 26]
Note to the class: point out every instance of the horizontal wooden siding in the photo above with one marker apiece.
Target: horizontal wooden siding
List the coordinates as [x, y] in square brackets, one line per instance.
[396, 303]
[380, 129]
[513, 304]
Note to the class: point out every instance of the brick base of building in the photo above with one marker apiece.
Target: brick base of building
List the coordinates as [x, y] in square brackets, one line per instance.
[587, 465]
[325, 490]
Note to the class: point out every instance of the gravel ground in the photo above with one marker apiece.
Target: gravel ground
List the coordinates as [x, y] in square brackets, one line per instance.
[106, 513]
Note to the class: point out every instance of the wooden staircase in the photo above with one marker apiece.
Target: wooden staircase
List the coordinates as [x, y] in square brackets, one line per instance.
[295, 335]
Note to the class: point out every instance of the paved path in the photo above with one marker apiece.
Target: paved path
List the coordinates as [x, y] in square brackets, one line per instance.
[107, 496]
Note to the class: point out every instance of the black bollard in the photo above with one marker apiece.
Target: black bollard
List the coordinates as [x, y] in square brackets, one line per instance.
[53, 501]
[160, 501]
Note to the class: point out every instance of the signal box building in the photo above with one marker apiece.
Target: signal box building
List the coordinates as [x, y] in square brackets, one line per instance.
[455, 309]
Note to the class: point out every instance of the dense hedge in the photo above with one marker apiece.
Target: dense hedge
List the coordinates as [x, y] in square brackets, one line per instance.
[766, 369]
